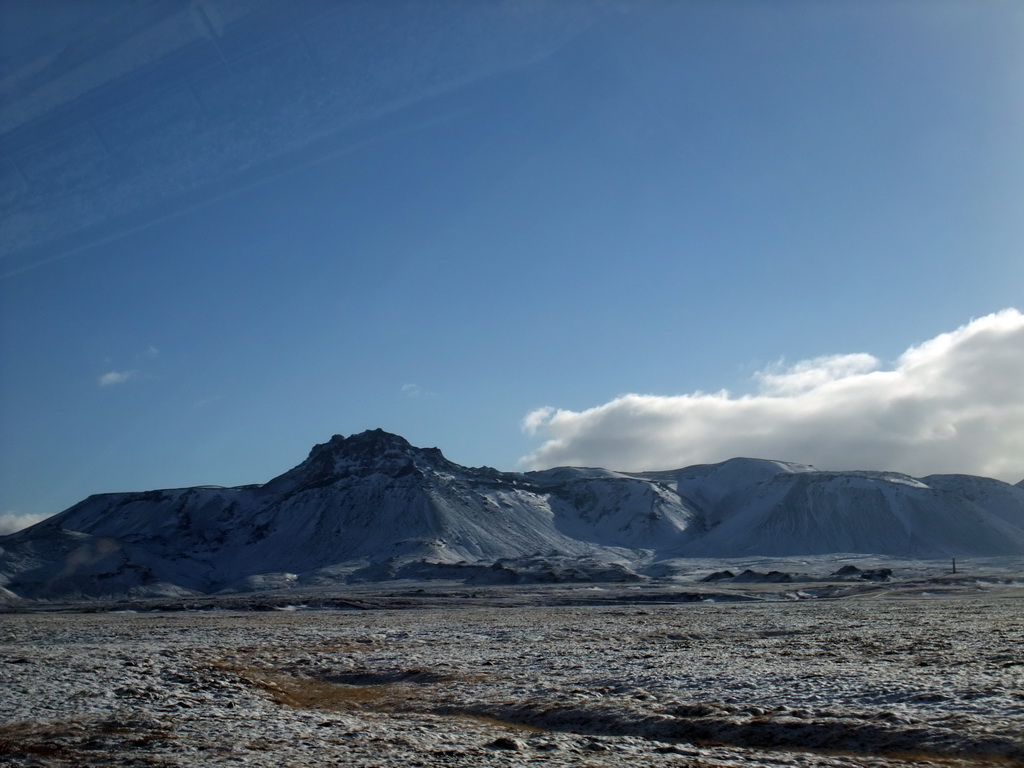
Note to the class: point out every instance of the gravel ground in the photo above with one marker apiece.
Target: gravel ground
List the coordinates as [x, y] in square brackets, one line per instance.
[870, 681]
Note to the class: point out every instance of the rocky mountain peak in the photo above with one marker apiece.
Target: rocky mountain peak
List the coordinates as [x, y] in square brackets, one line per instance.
[374, 451]
[372, 442]
[376, 445]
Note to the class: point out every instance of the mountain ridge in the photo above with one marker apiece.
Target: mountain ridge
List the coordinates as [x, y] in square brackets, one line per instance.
[359, 507]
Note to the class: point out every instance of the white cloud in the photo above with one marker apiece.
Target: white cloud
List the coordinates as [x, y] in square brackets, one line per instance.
[415, 390]
[952, 404]
[12, 521]
[536, 419]
[811, 374]
[116, 377]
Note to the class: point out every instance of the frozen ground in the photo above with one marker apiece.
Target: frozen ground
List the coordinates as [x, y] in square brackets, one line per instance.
[914, 672]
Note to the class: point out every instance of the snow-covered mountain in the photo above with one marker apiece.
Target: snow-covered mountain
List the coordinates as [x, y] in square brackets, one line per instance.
[361, 507]
[768, 508]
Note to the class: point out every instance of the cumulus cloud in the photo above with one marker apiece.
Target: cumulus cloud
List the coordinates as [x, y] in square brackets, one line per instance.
[535, 420]
[12, 521]
[811, 374]
[952, 404]
[116, 377]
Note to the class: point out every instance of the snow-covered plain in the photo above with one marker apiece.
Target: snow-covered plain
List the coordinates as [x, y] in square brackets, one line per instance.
[923, 669]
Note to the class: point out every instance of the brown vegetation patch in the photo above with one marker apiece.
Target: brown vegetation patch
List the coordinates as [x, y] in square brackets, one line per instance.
[79, 743]
[402, 690]
[418, 691]
[308, 693]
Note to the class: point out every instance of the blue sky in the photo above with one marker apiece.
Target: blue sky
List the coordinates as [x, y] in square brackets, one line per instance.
[681, 198]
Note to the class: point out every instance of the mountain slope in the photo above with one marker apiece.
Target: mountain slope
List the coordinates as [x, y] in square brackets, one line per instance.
[356, 501]
[799, 511]
[358, 504]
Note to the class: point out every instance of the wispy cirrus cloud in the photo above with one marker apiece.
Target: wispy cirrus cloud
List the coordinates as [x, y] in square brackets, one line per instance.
[110, 378]
[143, 361]
[415, 390]
[952, 404]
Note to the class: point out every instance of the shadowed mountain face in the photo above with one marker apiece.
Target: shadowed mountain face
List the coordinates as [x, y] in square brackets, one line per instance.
[358, 507]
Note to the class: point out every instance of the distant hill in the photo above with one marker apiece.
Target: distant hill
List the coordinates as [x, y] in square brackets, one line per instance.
[372, 507]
